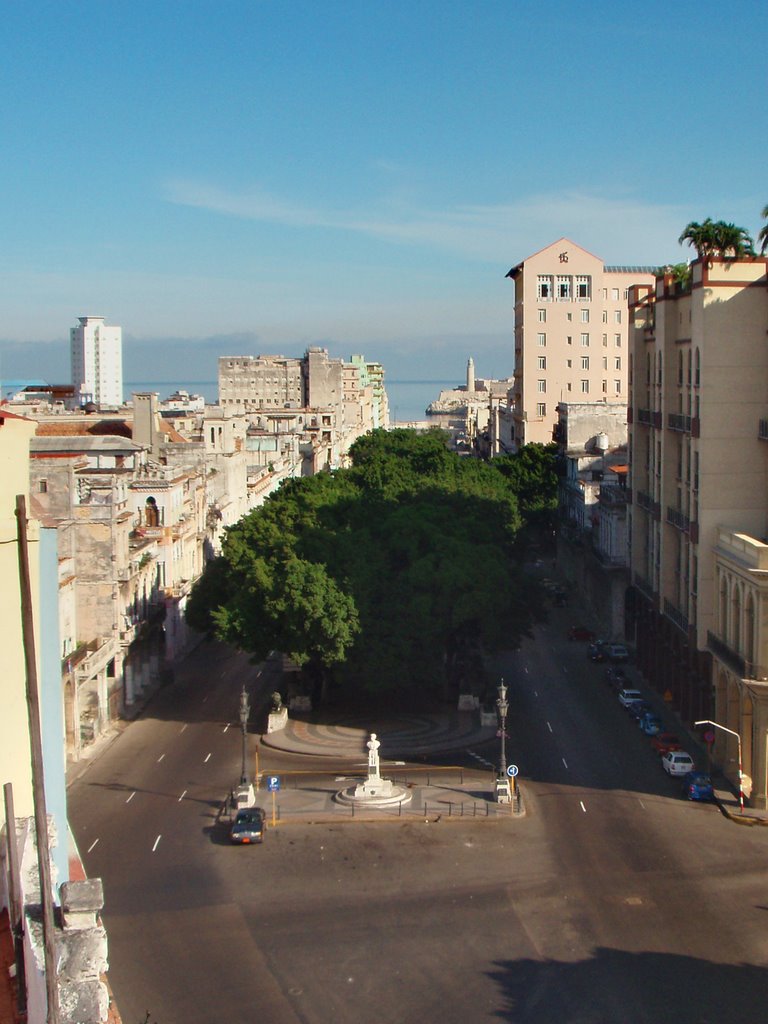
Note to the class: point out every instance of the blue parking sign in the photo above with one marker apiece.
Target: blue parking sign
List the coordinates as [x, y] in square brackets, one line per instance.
[273, 783]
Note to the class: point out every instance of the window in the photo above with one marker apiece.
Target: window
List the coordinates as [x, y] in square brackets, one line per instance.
[605, 316]
[542, 316]
[563, 287]
[585, 316]
[617, 386]
[585, 362]
[605, 362]
[569, 339]
[618, 363]
[542, 362]
[541, 409]
[568, 387]
[605, 293]
[43, 487]
[583, 287]
[585, 387]
[617, 316]
[605, 387]
[544, 287]
[541, 339]
[568, 363]
[617, 340]
[605, 341]
[615, 294]
[541, 386]
[585, 341]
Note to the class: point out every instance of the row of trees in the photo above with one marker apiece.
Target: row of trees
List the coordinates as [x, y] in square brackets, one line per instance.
[717, 238]
[383, 575]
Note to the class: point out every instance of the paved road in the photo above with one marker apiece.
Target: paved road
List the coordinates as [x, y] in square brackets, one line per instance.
[612, 900]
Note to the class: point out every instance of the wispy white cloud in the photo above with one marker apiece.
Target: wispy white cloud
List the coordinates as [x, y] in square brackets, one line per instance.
[618, 228]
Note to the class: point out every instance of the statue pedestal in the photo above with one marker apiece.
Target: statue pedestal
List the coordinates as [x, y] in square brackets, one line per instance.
[503, 791]
[277, 720]
[374, 788]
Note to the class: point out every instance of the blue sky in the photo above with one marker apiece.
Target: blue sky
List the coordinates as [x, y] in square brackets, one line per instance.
[234, 178]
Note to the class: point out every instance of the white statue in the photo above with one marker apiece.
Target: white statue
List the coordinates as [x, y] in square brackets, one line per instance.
[373, 757]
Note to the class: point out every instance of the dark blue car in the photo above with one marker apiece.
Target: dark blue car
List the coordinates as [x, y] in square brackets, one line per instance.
[698, 786]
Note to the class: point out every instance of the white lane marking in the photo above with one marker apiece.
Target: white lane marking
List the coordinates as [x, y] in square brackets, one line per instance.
[156, 842]
[641, 804]
[526, 670]
[182, 728]
[258, 673]
[226, 727]
[133, 794]
[565, 762]
[207, 759]
[92, 845]
[181, 797]
[160, 758]
[535, 693]
[582, 806]
[549, 727]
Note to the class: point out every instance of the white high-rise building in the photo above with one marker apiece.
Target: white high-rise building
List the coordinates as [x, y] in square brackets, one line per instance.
[97, 361]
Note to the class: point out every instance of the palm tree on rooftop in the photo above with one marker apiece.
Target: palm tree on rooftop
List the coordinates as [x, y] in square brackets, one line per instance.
[716, 238]
[763, 236]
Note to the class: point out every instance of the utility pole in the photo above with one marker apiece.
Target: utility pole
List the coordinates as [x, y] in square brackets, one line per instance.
[38, 779]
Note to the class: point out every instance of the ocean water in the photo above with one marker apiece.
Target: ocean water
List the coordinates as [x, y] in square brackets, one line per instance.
[408, 399]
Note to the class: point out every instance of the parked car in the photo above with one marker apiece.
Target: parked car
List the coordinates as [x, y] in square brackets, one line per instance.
[650, 724]
[677, 762]
[249, 826]
[698, 786]
[616, 652]
[638, 709]
[627, 697]
[616, 677]
[581, 633]
[664, 741]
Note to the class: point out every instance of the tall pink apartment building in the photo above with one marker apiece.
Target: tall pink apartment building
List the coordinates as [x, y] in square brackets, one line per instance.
[571, 333]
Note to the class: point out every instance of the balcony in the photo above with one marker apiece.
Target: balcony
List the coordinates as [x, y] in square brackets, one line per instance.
[645, 416]
[612, 494]
[644, 586]
[678, 520]
[744, 669]
[676, 616]
[677, 421]
[645, 501]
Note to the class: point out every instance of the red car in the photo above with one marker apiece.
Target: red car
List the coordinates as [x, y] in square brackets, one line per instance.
[663, 742]
[581, 633]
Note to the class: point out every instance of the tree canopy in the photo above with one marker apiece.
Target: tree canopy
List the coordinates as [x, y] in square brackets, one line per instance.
[716, 238]
[382, 573]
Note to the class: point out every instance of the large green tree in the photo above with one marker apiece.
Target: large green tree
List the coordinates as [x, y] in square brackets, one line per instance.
[716, 238]
[381, 573]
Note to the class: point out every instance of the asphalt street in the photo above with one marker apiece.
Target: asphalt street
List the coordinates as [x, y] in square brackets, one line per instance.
[611, 900]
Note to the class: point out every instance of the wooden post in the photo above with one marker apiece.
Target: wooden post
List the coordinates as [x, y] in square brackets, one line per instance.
[38, 777]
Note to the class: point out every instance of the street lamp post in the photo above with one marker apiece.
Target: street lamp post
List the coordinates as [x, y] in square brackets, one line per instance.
[716, 725]
[503, 791]
[245, 710]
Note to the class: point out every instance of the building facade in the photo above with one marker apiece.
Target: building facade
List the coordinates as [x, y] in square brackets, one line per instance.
[96, 353]
[699, 512]
[570, 335]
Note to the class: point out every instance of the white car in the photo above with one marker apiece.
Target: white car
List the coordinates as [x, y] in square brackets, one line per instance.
[677, 762]
[627, 697]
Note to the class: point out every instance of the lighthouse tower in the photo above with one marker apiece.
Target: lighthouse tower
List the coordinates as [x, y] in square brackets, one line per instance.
[470, 375]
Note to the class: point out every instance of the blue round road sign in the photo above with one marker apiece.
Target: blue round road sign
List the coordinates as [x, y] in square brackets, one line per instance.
[512, 771]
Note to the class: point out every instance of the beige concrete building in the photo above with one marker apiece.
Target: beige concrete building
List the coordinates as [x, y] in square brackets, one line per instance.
[699, 513]
[570, 335]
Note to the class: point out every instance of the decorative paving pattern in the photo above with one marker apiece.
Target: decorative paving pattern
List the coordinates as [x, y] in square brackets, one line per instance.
[400, 735]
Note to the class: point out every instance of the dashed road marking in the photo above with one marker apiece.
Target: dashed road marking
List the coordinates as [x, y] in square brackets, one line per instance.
[156, 844]
[92, 845]
[582, 806]
[480, 759]
[160, 758]
[133, 794]
[226, 727]
[565, 763]
[208, 758]
[182, 729]
[549, 727]
[181, 797]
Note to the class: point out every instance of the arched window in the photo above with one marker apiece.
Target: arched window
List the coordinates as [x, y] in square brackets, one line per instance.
[723, 608]
[749, 629]
[736, 640]
[151, 513]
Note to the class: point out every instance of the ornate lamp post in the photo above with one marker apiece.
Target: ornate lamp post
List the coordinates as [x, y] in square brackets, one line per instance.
[503, 791]
[245, 710]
